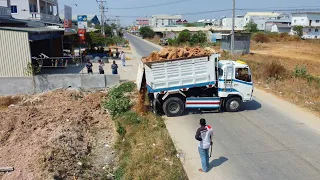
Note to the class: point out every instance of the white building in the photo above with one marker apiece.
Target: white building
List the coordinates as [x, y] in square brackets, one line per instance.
[279, 26]
[260, 18]
[310, 21]
[164, 20]
[238, 23]
[38, 10]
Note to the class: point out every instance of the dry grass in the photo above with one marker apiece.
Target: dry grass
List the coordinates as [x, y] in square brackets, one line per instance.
[303, 91]
[6, 101]
[144, 146]
[291, 54]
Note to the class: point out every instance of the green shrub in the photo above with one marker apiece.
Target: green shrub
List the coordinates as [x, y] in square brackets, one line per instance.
[126, 87]
[199, 37]
[117, 105]
[184, 36]
[147, 32]
[300, 71]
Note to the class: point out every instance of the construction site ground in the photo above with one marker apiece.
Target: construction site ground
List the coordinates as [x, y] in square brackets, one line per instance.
[63, 134]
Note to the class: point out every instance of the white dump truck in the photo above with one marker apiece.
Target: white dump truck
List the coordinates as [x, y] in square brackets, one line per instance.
[196, 83]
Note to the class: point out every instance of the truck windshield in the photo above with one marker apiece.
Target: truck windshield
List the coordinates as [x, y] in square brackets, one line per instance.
[243, 74]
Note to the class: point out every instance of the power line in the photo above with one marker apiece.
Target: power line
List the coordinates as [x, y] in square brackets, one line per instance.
[155, 5]
[292, 9]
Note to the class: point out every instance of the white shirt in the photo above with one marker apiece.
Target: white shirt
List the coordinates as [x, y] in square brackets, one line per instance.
[205, 134]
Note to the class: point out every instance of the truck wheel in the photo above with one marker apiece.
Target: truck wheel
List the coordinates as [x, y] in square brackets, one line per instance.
[233, 104]
[173, 106]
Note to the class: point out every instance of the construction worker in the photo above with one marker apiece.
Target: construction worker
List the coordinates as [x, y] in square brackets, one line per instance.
[204, 136]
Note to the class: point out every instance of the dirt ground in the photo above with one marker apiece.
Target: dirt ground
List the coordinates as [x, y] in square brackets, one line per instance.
[63, 134]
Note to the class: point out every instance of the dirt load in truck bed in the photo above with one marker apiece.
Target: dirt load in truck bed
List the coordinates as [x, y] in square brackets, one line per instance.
[63, 134]
[172, 53]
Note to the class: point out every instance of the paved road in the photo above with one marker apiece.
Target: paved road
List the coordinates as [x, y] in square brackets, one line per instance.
[269, 139]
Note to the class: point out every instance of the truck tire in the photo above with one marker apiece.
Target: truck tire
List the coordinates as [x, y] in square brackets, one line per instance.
[173, 106]
[233, 104]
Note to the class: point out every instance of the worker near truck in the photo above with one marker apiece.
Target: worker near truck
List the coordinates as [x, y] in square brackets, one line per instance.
[204, 136]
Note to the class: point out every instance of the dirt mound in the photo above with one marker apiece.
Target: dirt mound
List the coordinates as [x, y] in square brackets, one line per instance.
[56, 135]
[177, 53]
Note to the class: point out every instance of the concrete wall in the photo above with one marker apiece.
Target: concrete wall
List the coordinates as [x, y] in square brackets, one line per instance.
[43, 83]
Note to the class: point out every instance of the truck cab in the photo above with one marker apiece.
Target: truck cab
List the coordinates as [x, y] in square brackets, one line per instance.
[235, 83]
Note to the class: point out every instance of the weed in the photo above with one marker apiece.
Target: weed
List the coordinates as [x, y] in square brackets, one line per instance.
[131, 118]
[120, 129]
[300, 71]
[275, 70]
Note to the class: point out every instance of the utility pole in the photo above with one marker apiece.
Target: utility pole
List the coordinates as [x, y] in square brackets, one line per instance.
[233, 22]
[102, 11]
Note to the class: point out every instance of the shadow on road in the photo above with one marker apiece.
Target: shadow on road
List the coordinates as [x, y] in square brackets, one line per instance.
[217, 162]
[250, 106]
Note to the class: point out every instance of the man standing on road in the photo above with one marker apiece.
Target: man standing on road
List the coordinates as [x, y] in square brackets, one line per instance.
[123, 58]
[204, 136]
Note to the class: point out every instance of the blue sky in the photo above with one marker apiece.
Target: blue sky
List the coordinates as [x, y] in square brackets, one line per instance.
[91, 7]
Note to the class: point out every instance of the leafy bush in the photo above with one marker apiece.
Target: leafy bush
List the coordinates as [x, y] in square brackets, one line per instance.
[199, 37]
[260, 37]
[184, 36]
[300, 71]
[117, 105]
[126, 87]
[298, 30]
[116, 102]
[251, 27]
[147, 32]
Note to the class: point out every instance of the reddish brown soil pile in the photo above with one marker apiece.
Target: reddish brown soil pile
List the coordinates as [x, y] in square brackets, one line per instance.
[56, 135]
[176, 53]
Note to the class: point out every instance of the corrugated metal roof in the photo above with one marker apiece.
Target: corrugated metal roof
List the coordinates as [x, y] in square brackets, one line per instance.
[14, 53]
[270, 14]
[29, 29]
[283, 25]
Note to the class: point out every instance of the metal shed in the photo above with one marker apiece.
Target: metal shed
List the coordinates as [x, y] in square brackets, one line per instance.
[241, 43]
[14, 53]
[19, 44]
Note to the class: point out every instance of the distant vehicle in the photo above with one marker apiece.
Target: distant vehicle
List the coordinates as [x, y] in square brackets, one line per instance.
[196, 83]
[163, 42]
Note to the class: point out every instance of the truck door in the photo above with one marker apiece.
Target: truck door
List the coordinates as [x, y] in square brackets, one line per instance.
[228, 77]
[243, 82]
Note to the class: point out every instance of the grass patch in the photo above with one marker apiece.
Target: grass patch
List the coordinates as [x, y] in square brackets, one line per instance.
[144, 146]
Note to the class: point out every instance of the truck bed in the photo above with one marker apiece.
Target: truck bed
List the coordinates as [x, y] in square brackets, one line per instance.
[178, 74]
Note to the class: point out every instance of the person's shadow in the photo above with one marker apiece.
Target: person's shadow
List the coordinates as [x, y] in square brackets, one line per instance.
[217, 162]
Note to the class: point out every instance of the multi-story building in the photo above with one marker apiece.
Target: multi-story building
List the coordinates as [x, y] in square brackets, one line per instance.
[260, 18]
[164, 20]
[38, 10]
[141, 22]
[310, 21]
